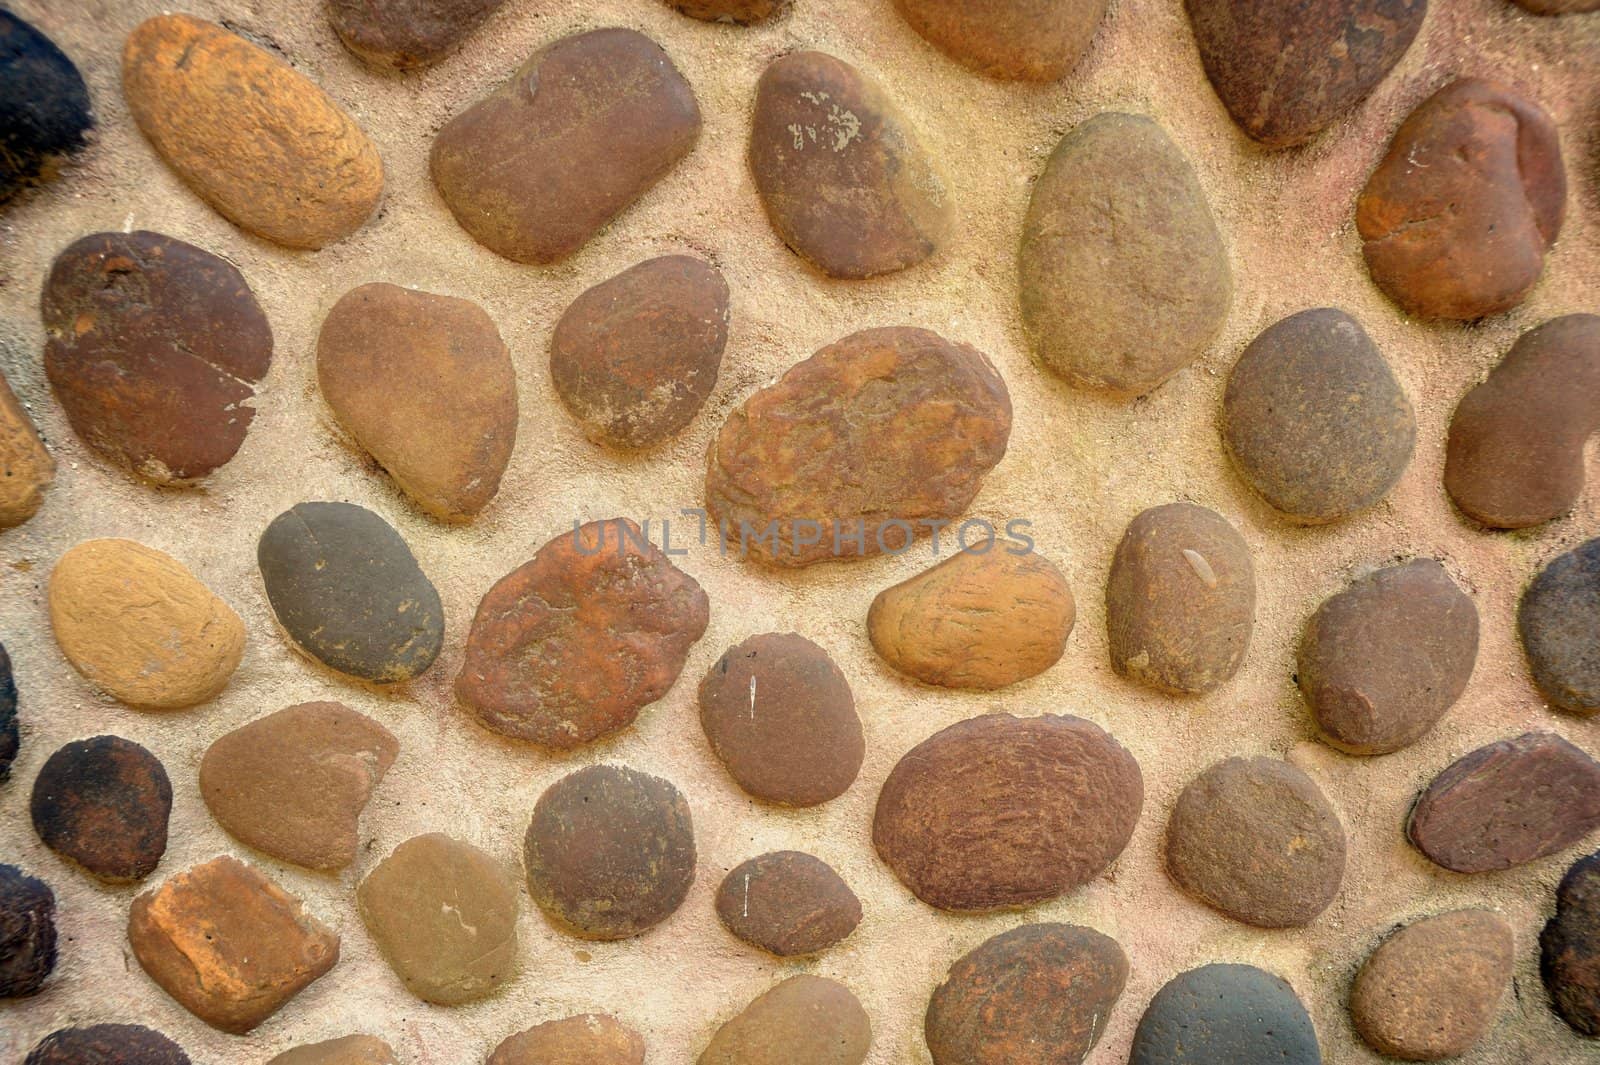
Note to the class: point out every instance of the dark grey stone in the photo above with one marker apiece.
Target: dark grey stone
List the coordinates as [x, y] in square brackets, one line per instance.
[1236, 1014]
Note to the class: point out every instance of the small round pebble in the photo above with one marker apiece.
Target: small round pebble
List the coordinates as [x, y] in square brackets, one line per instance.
[107, 1044]
[350, 1050]
[805, 1018]
[1236, 1014]
[787, 903]
[1559, 622]
[1569, 948]
[104, 803]
[44, 107]
[587, 1039]
[27, 933]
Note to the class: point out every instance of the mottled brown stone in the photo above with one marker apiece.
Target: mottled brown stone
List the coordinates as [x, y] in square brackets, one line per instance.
[1027, 40]
[27, 933]
[1559, 622]
[1569, 948]
[805, 1018]
[104, 803]
[106, 1044]
[26, 468]
[742, 12]
[1560, 7]
[406, 34]
[587, 1039]
[787, 903]
[350, 1050]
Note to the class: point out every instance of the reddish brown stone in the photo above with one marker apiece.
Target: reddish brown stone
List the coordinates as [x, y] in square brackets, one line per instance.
[805, 1018]
[1560, 7]
[1569, 948]
[743, 12]
[26, 468]
[1029, 40]
[27, 933]
[406, 34]
[787, 903]
[103, 803]
[587, 1039]
[350, 1050]
[106, 1044]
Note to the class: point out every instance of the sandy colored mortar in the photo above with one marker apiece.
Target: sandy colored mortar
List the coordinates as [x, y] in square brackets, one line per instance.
[1079, 468]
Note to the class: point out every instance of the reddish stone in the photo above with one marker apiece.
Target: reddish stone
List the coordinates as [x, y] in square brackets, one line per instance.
[787, 903]
[26, 468]
[103, 803]
[1029, 40]
[406, 34]
[805, 1019]
[587, 1039]
[743, 12]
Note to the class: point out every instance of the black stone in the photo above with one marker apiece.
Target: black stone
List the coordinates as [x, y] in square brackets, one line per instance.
[103, 803]
[107, 1044]
[1560, 625]
[1225, 1013]
[44, 106]
[10, 736]
[1569, 957]
[27, 933]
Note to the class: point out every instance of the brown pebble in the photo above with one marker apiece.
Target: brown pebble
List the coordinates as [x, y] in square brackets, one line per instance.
[26, 468]
[1027, 40]
[742, 12]
[103, 803]
[787, 903]
[1560, 7]
[27, 933]
[1569, 948]
[350, 1050]
[106, 1044]
[406, 34]
[805, 1019]
[587, 1039]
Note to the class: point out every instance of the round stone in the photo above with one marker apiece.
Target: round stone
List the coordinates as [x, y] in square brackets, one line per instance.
[104, 803]
[1570, 948]
[805, 1018]
[406, 34]
[44, 107]
[26, 468]
[1028, 40]
[106, 1044]
[742, 12]
[587, 1039]
[10, 734]
[1559, 622]
[350, 1050]
[1225, 1013]
[27, 933]
[787, 903]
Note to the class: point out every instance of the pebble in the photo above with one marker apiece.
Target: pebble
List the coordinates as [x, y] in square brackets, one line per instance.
[588, 125]
[1000, 811]
[27, 933]
[26, 468]
[1433, 989]
[350, 1050]
[103, 803]
[425, 385]
[805, 1019]
[407, 34]
[1457, 217]
[154, 348]
[635, 358]
[248, 133]
[572, 645]
[587, 1039]
[858, 450]
[847, 182]
[788, 903]
[1225, 1013]
[10, 734]
[1381, 661]
[107, 1044]
[44, 107]
[141, 627]
[347, 590]
[741, 12]
[293, 784]
[1036, 995]
[610, 852]
[1515, 452]
[444, 914]
[1569, 959]
[1180, 600]
[1560, 7]
[228, 944]
[1118, 219]
[1507, 803]
[1015, 40]
[1559, 622]
[779, 715]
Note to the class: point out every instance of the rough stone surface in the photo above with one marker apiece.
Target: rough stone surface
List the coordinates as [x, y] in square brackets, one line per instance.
[742, 12]
[154, 348]
[1036, 995]
[787, 903]
[635, 357]
[779, 715]
[587, 1039]
[1510, 802]
[1560, 7]
[1457, 217]
[44, 107]
[873, 437]
[1225, 1013]
[10, 734]
[805, 1018]
[843, 174]
[1382, 661]
[141, 627]
[107, 1044]
[570, 646]
[1028, 40]
[1118, 219]
[610, 852]
[581, 131]
[1559, 622]
[406, 34]
[104, 803]
[425, 385]
[1569, 948]
[348, 592]
[350, 1050]
[228, 944]
[27, 933]
[26, 468]
[1000, 811]
[293, 784]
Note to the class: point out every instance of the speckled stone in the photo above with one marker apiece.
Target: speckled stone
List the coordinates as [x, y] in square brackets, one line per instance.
[10, 734]
[350, 1050]
[27, 933]
[1559, 622]
[805, 1018]
[104, 803]
[587, 1039]
[26, 468]
[741, 12]
[406, 34]
[1027, 40]
[1569, 957]
[788, 903]
[1236, 1014]
[44, 107]
[107, 1044]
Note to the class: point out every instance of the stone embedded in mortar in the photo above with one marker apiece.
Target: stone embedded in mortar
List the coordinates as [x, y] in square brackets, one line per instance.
[1225, 1013]
[106, 1044]
[742, 12]
[1036, 995]
[808, 1019]
[44, 107]
[253, 137]
[999, 811]
[141, 627]
[779, 715]
[1560, 7]
[787, 903]
[154, 348]
[26, 468]
[846, 180]
[10, 734]
[293, 784]
[1027, 40]
[588, 125]
[1382, 661]
[1118, 220]
[425, 385]
[350, 1050]
[1569, 948]
[406, 34]
[27, 933]
[103, 803]
[1559, 622]
[1507, 803]
[876, 437]
[1458, 216]
[587, 1039]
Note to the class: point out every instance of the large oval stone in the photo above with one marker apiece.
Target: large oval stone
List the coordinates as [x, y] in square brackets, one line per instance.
[787, 903]
[10, 734]
[1382, 661]
[350, 1050]
[805, 1018]
[27, 933]
[587, 1039]
[1569, 948]
[248, 133]
[103, 803]
[1117, 220]
[570, 646]
[1559, 622]
[348, 592]
[1000, 811]
[860, 449]
[106, 1044]
[1225, 1013]
[1457, 217]
[44, 107]
[154, 348]
[844, 176]
[425, 385]
[406, 34]
[1036, 995]
[1507, 803]
[26, 468]
[1030, 40]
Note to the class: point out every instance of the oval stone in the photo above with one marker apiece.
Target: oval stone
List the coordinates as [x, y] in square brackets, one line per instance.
[1180, 600]
[570, 646]
[1382, 661]
[1036, 995]
[787, 903]
[107, 1044]
[27, 933]
[44, 107]
[10, 734]
[1457, 217]
[154, 348]
[858, 450]
[1432, 990]
[742, 12]
[845, 178]
[1000, 811]
[350, 1050]
[587, 1039]
[26, 468]
[779, 715]
[1507, 803]
[1225, 1013]
[586, 126]
[348, 592]
[1515, 452]
[424, 384]
[610, 852]
[141, 627]
[1569, 948]
[1559, 622]
[406, 34]
[805, 1018]
[635, 358]
[1118, 219]
[1028, 40]
[103, 803]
